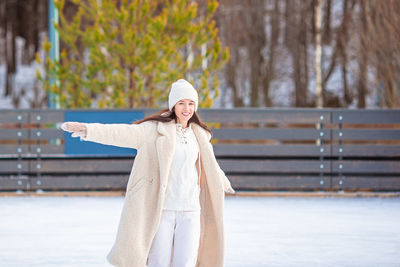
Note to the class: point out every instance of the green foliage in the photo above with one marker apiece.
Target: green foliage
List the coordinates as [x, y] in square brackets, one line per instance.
[128, 54]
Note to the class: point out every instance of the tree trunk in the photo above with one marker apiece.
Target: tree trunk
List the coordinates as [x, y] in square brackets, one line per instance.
[327, 33]
[273, 43]
[255, 44]
[318, 53]
[343, 38]
[232, 83]
[11, 33]
[363, 58]
[300, 55]
[3, 31]
[231, 23]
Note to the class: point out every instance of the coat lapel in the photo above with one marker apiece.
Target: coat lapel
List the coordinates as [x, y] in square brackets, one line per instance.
[206, 152]
[211, 250]
[208, 159]
[203, 137]
[165, 145]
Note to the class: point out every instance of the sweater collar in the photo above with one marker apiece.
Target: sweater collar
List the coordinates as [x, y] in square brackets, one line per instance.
[179, 126]
[167, 128]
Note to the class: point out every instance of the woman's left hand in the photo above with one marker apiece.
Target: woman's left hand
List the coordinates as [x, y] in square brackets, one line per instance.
[77, 129]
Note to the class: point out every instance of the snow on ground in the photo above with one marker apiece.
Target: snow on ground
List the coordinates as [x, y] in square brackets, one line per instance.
[79, 231]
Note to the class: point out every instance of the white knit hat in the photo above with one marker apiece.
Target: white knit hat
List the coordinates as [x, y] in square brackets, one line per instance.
[182, 89]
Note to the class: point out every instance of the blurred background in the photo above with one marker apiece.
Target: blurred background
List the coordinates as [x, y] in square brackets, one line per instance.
[259, 53]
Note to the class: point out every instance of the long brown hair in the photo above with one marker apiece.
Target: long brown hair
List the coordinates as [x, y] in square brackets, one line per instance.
[166, 115]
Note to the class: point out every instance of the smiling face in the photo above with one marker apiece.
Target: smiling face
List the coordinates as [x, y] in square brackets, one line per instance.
[184, 110]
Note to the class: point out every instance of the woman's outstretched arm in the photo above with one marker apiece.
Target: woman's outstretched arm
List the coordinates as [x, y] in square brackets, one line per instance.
[78, 129]
[123, 135]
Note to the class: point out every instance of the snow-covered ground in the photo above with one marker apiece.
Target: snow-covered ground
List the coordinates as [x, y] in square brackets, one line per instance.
[79, 231]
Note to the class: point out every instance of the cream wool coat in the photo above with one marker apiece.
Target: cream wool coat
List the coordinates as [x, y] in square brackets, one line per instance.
[145, 192]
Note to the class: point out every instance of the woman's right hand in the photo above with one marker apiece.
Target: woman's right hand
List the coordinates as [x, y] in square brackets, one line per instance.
[77, 129]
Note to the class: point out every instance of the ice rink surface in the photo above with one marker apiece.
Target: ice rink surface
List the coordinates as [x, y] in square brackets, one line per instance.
[79, 231]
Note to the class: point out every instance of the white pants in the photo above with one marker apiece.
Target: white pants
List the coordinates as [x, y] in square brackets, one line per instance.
[179, 230]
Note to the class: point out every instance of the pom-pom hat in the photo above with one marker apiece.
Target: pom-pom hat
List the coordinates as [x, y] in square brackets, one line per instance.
[182, 89]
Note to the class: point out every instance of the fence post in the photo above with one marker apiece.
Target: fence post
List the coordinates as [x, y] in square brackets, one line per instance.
[340, 150]
[19, 149]
[320, 142]
[36, 119]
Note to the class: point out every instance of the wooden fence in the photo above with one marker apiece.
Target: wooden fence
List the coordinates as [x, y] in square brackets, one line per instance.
[259, 149]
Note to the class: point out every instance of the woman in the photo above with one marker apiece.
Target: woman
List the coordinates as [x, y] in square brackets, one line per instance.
[173, 208]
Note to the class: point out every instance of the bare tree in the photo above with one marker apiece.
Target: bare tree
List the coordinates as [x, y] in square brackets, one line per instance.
[327, 27]
[363, 56]
[230, 23]
[21, 18]
[274, 26]
[10, 34]
[381, 35]
[340, 40]
[318, 51]
[342, 43]
[297, 41]
[254, 12]
[357, 33]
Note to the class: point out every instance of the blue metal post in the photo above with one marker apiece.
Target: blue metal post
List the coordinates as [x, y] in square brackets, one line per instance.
[55, 48]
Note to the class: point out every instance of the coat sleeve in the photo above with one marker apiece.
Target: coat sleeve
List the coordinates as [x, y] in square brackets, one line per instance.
[122, 135]
[226, 183]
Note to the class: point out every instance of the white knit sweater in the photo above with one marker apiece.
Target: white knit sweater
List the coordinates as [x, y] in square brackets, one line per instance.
[183, 188]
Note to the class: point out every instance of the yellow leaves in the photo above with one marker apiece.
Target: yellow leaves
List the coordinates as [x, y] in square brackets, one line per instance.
[37, 58]
[37, 74]
[214, 125]
[63, 54]
[159, 23]
[192, 10]
[54, 89]
[207, 102]
[137, 48]
[63, 98]
[140, 86]
[122, 14]
[119, 101]
[212, 6]
[101, 103]
[226, 54]
[59, 4]
[46, 45]
[157, 94]
[217, 47]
